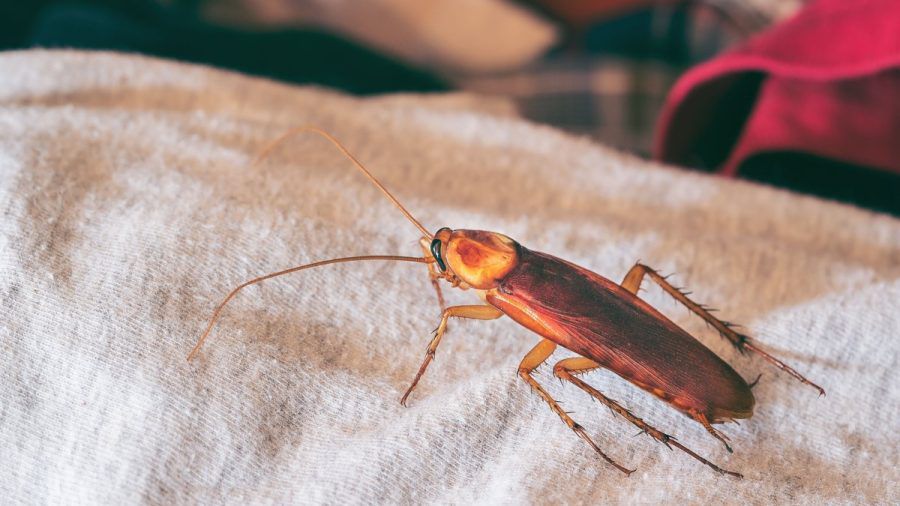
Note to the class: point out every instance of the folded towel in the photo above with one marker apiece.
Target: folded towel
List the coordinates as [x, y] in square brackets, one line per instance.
[130, 209]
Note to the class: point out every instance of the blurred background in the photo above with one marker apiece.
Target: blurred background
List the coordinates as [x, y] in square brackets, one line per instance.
[802, 95]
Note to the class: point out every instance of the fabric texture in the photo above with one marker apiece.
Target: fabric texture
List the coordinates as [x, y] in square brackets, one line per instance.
[824, 83]
[130, 209]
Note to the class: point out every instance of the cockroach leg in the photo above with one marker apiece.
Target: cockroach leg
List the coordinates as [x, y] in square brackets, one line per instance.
[478, 312]
[537, 356]
[748, 344]
[568, 368]
[632, 283]
[437, 289]
[700, 417]
[433, 274]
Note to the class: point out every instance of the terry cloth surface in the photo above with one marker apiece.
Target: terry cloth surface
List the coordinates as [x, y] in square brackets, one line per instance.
[130, 209]
[824, 83]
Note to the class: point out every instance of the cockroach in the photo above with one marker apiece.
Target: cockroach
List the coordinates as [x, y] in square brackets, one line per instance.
[604, 322]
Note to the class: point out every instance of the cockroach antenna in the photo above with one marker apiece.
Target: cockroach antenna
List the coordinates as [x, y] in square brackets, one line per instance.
[259, 159]
[308, 128]
[215, 315]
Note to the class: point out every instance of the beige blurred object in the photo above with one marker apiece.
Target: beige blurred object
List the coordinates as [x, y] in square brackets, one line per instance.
[772, 10]
[456, 36]
[777, 9]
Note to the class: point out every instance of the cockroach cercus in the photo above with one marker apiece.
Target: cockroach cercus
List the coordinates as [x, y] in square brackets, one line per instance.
[605, 323]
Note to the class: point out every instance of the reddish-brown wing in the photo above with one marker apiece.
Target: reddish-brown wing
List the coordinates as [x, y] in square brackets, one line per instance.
[599, 319]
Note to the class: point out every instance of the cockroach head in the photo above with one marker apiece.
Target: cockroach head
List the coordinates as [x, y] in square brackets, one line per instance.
[481, 259]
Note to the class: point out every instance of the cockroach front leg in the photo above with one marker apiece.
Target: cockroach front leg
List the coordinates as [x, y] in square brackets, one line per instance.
[480, 312]
[632, 283]
[433, 274]
[568, 368]
[537, 356]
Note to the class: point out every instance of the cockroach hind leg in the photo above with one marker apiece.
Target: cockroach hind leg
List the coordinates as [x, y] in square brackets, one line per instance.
[563, 370]
[751, 346]
[579, 430]
[737, 342]
[537, 356]
[632, 283]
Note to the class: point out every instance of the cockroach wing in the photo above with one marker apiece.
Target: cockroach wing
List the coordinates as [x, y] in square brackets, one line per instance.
[594, 317]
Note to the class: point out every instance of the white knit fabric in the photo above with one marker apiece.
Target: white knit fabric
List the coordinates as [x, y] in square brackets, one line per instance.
[130, 209]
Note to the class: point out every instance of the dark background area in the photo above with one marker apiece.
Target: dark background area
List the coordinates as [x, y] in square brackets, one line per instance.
[635, 41]
[178, 31]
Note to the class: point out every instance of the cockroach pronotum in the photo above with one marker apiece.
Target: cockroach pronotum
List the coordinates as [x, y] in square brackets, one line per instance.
[605, 323]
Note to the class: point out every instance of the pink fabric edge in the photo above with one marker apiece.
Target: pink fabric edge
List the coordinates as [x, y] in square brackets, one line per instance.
[708, 72]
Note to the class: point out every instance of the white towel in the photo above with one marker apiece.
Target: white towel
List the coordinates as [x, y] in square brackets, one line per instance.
[130, 209]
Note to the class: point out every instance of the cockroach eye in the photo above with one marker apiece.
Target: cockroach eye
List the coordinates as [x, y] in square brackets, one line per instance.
[436, 253]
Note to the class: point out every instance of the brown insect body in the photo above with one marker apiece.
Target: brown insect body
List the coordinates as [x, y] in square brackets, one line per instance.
[596, 318]
[605, 323]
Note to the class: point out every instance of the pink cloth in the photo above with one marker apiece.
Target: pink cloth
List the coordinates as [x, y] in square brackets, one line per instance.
[826, 82]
